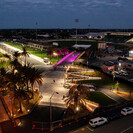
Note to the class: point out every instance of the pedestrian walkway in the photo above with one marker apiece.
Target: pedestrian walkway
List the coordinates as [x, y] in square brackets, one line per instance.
[3, 113]
[126, 95]
[53, 82]
[112, 95]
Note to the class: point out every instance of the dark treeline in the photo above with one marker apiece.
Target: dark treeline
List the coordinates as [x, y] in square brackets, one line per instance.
[53, 33]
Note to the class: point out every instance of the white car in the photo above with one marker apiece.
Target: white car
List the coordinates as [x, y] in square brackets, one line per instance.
[131, 80]
[127, 110]
[97, 121]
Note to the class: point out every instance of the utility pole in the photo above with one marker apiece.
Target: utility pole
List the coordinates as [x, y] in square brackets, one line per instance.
[36, 30]
[51, 125]
[89, 30]
[76, 20]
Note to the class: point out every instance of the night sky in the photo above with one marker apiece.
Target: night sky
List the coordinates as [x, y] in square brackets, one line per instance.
[62, 13]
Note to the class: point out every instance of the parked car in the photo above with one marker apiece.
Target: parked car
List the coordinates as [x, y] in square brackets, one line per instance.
[46, 60]
[90, 86]
[114, 116]
[124, 73]
[97, 121]
[131, 80]
[127, 110]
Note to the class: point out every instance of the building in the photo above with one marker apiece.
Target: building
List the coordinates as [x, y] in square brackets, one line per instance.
[128, 64]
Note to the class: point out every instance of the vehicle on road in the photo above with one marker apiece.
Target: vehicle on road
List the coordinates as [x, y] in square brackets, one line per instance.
[97, 121]
[127, 110]
[114, 116]
[46, 60]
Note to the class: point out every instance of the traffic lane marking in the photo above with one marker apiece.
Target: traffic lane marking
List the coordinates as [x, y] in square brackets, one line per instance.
[81, 130]
[91, 129]
[124, 131]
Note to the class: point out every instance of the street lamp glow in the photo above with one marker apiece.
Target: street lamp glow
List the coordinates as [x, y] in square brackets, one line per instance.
[55, 54]
[77, 108]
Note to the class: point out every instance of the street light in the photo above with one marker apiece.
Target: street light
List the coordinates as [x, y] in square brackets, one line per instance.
[51, 126]
[77, 108]
[55, 54]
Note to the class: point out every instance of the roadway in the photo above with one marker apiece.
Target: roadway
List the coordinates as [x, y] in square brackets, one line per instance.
[123, 125]
[33, 60]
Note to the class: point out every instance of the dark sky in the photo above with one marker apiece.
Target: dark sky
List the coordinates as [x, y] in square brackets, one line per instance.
[62, 13]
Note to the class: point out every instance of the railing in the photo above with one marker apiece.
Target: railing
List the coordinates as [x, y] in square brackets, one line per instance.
[102, 111]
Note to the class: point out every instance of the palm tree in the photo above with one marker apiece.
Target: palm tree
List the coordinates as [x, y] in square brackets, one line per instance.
[35, 77]
[76, 96]
[25, 54]
[20, 95]
[16, 54]
[50, 53]
[16, 83]
[31, 76]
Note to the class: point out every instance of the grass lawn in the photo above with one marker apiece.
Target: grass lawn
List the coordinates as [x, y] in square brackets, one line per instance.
[100, 98]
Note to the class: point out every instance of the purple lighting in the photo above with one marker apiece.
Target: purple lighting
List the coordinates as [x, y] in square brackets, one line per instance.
[62, 59]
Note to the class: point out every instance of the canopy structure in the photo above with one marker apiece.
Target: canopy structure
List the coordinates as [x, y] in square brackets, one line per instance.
[81, 46]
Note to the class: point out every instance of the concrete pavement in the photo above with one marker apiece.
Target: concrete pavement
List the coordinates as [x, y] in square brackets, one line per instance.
[49, 87]
[112, 95]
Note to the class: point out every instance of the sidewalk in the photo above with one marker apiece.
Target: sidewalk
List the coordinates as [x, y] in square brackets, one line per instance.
[112, 95]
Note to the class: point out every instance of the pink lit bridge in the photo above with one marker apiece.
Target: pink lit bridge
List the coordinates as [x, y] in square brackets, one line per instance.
[68, 59]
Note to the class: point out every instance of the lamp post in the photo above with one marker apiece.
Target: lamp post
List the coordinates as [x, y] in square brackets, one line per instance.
[76, 20]
[51, 126]
[89, 30]
[36, 30]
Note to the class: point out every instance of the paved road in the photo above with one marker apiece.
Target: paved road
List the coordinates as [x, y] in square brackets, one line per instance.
[33, 60]
[112, 95]
[123, 125]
